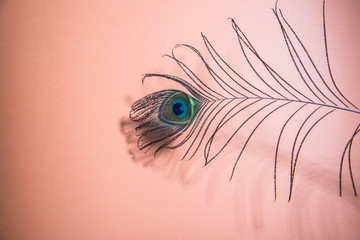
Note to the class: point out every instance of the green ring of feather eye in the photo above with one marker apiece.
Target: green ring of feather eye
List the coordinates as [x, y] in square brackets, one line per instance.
[188, 108]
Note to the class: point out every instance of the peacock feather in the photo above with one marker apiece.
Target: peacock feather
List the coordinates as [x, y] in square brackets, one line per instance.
[171, 118]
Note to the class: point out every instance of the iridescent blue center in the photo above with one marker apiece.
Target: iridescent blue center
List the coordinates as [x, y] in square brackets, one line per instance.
[179, 107]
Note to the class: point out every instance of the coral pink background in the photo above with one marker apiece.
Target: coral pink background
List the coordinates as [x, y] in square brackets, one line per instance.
[69, 70]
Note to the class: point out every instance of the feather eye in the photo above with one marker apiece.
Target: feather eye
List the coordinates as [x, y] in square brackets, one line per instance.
[163, 117]
[171, 118]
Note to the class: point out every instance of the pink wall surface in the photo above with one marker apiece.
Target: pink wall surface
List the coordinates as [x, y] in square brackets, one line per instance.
[69, 71]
